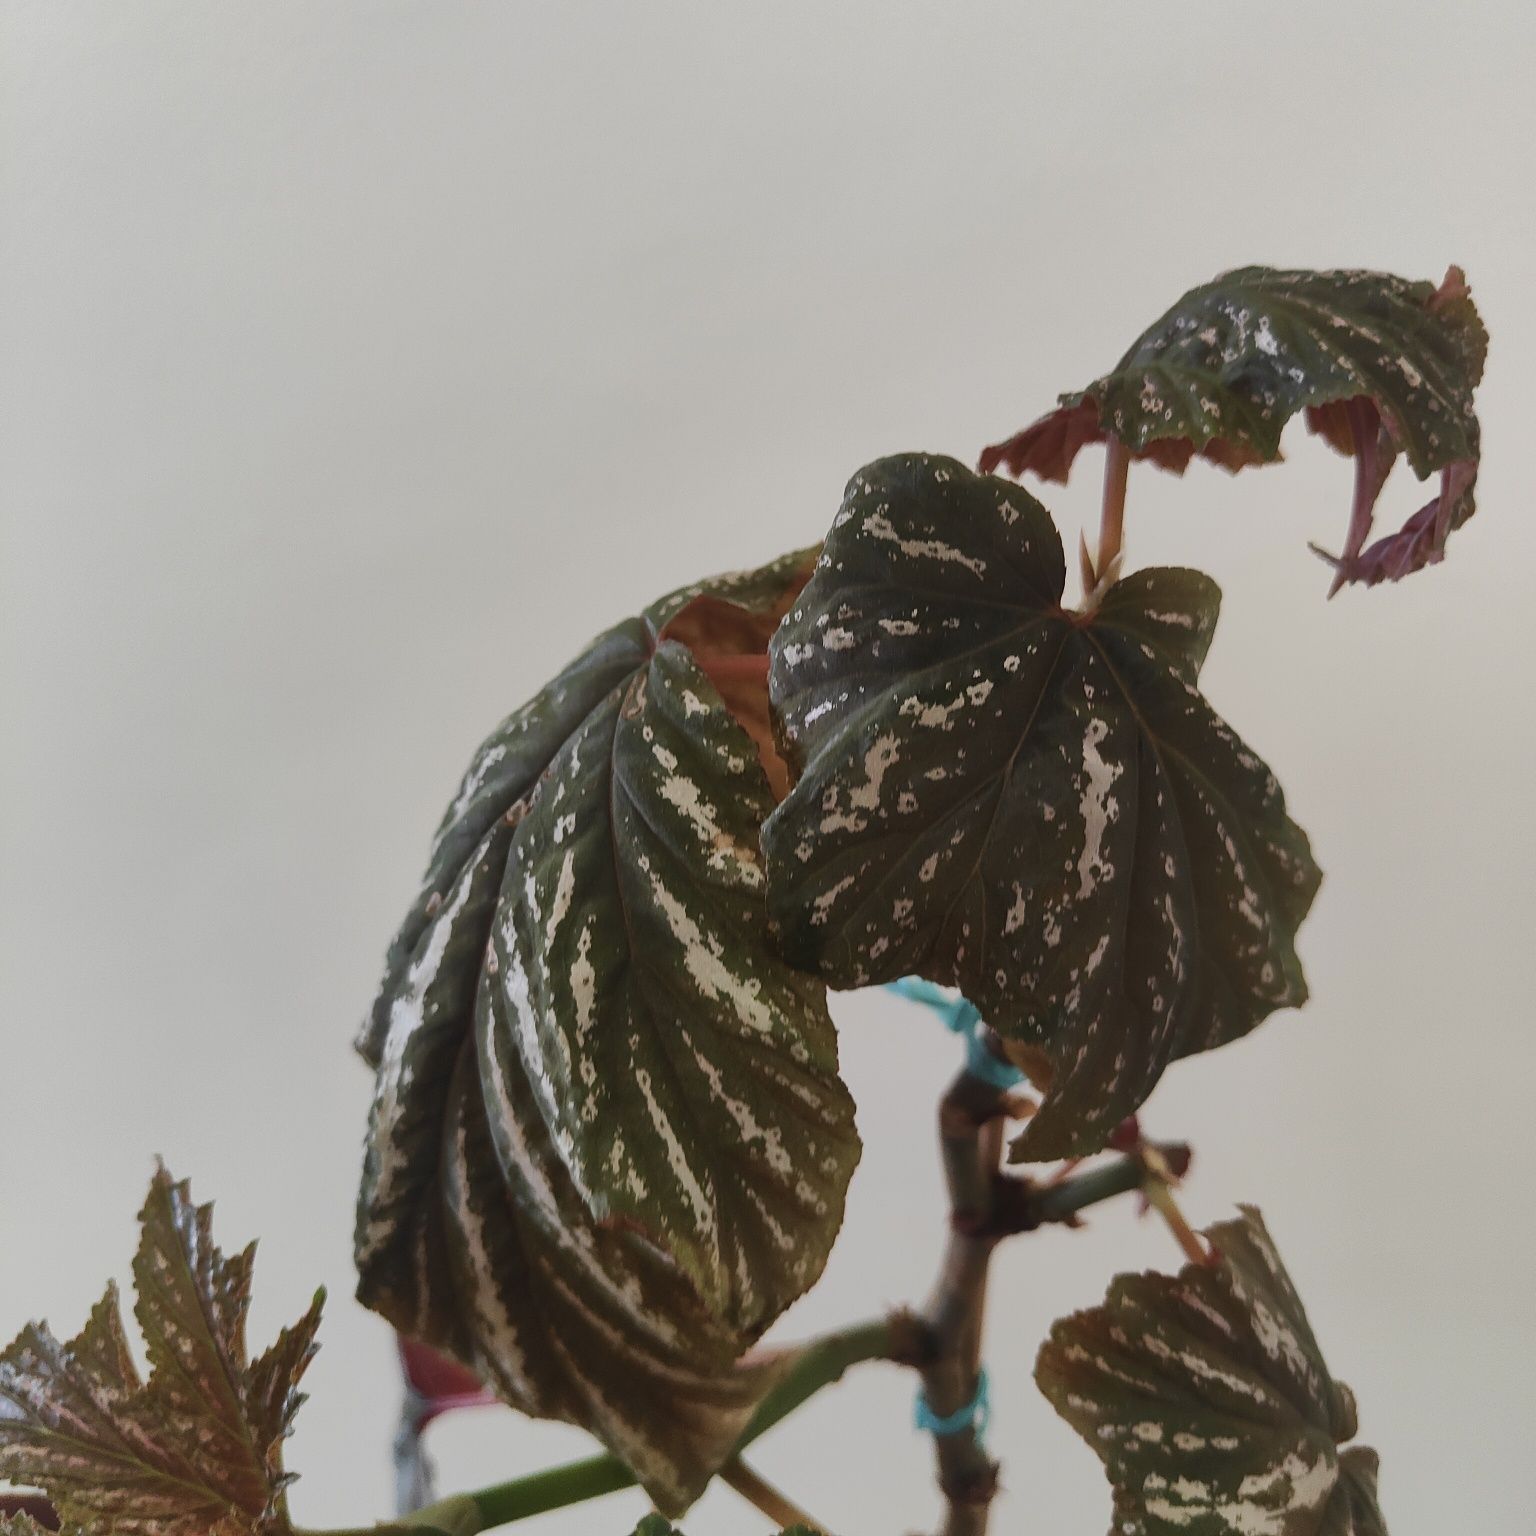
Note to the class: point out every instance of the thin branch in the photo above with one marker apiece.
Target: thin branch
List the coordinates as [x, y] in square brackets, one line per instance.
[1159, 1193]
[1117, 468]
[944, 1344]
[971, 1115]
[899, 1339]
[1021, 1205]
[764, 1496]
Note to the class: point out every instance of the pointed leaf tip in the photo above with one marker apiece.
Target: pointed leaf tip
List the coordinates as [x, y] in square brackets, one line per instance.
[1379, 365]
[196, 1447]
[22, 1522]
[1035, 806]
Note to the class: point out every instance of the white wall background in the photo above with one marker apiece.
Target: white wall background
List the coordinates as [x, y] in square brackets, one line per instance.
[357, 361]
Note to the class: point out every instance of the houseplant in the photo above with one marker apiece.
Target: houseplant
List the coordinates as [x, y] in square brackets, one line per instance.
[609, 1143]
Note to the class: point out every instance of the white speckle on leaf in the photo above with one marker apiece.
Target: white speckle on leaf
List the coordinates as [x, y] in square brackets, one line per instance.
[1097, 808]
[878, 526]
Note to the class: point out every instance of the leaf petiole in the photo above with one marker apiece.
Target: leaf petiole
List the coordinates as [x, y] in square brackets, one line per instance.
[1159, 1192]
[1106, 566]
[764, 1496]
[819, 1365]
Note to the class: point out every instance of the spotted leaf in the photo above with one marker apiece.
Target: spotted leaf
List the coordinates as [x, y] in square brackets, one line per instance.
[1207, 1399]
[1380, 364]
[609, 1144]
[194, 1449]
[1035, 806]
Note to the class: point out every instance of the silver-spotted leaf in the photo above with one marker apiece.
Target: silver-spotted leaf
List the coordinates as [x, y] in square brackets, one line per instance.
[1035, 806]
[1208, 1401]
[1380, 365]
[609, 1143]
[196, 1447]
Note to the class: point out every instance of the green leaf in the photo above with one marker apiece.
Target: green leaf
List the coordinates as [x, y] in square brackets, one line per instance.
[197, 1447]
[1037, 807]
[1208, 1401]
[1380, 364]
[609, 1143]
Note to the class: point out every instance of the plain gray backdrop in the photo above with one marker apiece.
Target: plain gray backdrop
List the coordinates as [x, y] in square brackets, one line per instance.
[358, 361]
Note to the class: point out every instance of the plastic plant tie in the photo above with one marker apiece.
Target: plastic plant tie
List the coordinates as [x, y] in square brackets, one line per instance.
[961, 1018]
[974, 1415]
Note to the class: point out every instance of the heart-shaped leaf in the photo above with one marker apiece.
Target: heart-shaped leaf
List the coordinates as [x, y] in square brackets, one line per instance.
[1207, 1399]
[196, 1448]
[609, 1144]
[1035, 806]
[1379, 363]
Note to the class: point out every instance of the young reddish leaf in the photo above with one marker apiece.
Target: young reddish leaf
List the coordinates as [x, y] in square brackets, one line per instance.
[1037, 807]
[609, 1143]
[24, 1514]
[22, 1523]
[1208, 1401]
[1379, 364]
[197, 1447]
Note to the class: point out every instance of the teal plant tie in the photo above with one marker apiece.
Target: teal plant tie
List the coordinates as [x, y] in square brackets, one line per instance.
[975, 1415]
[961, 1018]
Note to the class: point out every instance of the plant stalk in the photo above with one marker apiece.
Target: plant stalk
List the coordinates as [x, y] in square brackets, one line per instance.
[818, 1365]
[1117, 469]
[944, 1345]
[764, 1496]
[971, 1117]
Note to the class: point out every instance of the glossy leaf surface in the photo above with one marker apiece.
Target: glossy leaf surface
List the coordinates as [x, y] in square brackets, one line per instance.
[1209, 1403]
[1034, 806]
[197, 1447]
[1381, 365]
[609, 1144]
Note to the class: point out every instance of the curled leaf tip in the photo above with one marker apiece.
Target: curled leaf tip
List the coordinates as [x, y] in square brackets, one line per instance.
[609, 1143]
[1378, 365]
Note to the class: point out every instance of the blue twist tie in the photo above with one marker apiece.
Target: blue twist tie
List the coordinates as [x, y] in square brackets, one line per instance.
[975, 1415]
[961, 1018]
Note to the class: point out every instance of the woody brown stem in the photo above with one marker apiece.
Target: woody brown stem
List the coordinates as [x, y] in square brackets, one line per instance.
[971, 1117]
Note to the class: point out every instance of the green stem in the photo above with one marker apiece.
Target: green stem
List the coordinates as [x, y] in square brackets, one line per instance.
[818, 1365]
[824, 1363]
[540, 1492]
[1056, 1202]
